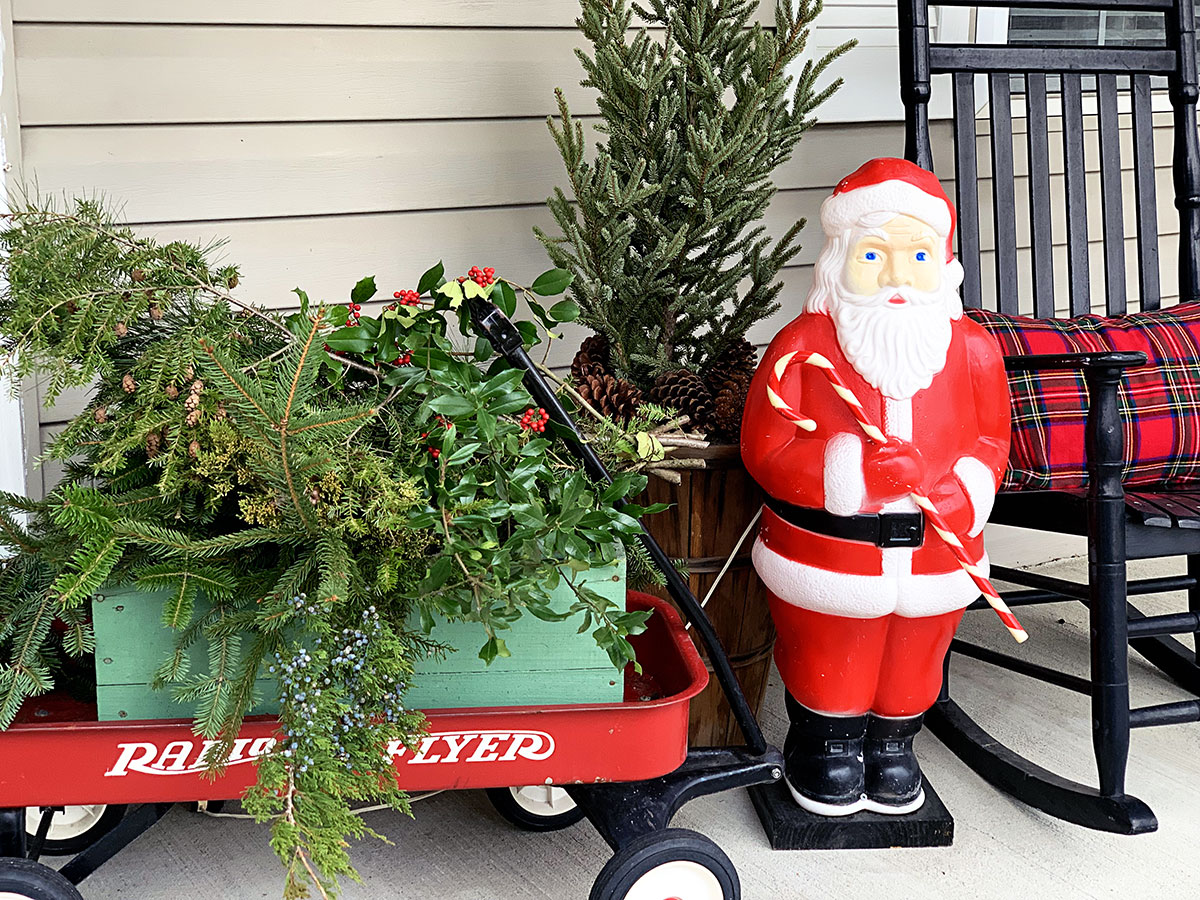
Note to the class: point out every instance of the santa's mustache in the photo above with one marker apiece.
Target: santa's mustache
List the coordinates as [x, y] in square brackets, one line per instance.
[885, 298]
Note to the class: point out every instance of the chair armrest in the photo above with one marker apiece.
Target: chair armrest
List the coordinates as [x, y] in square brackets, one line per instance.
[1103, 437]
[1113, 359]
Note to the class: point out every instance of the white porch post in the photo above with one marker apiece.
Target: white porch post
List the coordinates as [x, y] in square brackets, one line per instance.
[18, 414]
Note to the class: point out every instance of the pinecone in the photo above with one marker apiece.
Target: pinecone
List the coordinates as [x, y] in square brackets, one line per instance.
[594, 358]
[153, 444]
[729, 403]
[736, 364]
[616, 398]
[686, 392]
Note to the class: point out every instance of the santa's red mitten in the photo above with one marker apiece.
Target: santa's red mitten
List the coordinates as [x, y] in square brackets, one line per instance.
[892, 470]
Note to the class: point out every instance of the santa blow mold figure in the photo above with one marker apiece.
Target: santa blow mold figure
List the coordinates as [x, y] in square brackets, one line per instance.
[865, 593]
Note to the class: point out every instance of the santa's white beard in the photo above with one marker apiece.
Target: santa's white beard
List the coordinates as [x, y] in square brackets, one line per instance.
[897, 349]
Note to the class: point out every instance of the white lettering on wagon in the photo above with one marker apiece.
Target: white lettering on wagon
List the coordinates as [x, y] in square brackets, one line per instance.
[486, 746]
[182, 757]
[187, 757]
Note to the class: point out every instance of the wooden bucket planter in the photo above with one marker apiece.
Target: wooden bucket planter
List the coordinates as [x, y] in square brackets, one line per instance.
[709, 511]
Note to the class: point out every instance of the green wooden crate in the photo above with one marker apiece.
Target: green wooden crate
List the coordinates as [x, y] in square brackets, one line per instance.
[550, 663]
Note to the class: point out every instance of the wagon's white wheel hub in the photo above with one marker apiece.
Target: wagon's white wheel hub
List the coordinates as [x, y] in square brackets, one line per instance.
[70, 823]
[541, 800]
[678, 880]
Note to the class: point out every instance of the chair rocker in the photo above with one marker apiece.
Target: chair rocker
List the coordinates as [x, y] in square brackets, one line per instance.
[1056, 83]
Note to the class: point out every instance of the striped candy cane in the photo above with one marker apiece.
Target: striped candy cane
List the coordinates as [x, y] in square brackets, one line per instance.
[875, 434]
[775, 395]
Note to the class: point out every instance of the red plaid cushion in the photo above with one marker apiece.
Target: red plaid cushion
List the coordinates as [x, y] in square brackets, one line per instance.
[1160, 402]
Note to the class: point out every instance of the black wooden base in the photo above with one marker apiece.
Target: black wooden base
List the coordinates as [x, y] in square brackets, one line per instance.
[791, 828]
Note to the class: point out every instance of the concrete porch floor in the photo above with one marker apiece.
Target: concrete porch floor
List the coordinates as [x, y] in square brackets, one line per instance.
[457, 848]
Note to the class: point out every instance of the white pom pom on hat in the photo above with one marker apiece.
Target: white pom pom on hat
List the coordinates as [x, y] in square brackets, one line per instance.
[890, 185]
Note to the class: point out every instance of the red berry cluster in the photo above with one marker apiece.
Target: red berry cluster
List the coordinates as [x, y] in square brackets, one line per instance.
[403, 359]
[482, 277]
[445, 423]
[407, 298]
[354, 310]
[535, 420]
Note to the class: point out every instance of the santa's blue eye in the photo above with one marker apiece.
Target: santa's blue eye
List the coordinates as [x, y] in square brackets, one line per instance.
[922, 256]
[870, 256]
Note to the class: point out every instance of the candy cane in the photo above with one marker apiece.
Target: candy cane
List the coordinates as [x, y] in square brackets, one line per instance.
[775, 395]
[931, 512]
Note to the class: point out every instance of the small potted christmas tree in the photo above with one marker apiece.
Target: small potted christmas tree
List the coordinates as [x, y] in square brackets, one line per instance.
[662, 231]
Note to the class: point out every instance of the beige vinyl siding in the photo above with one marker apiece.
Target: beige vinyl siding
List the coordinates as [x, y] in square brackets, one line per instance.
[331, 141]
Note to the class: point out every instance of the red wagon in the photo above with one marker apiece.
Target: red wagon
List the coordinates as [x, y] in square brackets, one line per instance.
[57, 758]
[625, 766]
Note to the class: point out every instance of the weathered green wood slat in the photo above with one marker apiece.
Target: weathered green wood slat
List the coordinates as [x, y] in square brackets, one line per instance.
[550, 663]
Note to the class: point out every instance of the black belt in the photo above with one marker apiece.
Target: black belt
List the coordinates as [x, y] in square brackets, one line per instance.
[880, 529]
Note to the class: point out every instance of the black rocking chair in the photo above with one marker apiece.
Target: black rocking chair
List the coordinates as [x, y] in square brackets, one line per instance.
[1119, 526]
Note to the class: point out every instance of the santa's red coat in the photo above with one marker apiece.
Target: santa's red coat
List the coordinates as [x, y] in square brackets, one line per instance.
[960, 425]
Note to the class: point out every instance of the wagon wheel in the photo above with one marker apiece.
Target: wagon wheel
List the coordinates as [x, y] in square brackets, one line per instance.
[73, 828]
[673, 864]
[24, 879]
[539, 807]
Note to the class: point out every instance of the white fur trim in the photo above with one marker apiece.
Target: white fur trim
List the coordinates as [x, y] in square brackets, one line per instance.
[845, 486]
[897, 590]
[979, 483]
[842, 211]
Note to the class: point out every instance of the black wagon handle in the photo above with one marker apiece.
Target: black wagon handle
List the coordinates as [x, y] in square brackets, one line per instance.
[492, 323]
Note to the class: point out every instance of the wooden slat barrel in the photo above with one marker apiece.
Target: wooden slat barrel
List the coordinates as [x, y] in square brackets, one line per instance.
[709, 511]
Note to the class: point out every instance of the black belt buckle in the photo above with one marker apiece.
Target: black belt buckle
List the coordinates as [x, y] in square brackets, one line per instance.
[901, 530]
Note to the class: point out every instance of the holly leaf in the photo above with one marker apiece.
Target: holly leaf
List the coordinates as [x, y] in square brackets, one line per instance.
[462, 454]
[364, 290]
[431, 279]
[529, 332]
[506, 298]
[493, 648]
[553, 282]
[439, 573]
[303, 300]
[453, 291]
[565, 311]
[351, 340]
[452, 405]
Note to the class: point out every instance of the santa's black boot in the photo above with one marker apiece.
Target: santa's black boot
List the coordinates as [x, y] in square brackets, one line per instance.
[823, 761]
[892, 772]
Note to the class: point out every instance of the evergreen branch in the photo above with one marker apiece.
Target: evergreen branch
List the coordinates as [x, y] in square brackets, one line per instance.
[21, 679]
[301, 368]
[239, 383]
[93, 562]
[12, 535]
[331, 420]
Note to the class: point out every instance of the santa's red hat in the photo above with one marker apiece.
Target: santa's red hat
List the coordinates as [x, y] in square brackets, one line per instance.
[889, 185]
